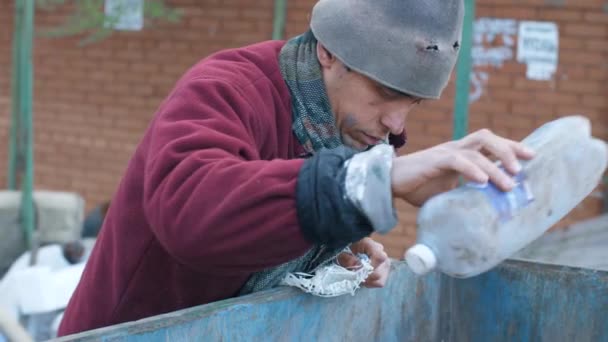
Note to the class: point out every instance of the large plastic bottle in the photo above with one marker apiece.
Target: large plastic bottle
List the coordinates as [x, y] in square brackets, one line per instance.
[472, 228]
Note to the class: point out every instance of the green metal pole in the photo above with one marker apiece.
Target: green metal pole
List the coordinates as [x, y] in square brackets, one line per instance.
[463, 73]
[280, 9]
[13, 152]
[27, 94]
[21, 151]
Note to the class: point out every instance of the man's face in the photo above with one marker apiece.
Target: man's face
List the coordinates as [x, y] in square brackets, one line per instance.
[366, 112]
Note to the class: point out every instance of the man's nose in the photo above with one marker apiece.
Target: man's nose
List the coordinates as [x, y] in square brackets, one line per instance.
[395, 121]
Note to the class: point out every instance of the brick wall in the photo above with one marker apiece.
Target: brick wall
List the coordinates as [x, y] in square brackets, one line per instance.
[93, 103]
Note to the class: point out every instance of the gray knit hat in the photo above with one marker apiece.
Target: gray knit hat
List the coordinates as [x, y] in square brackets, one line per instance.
[407, 45]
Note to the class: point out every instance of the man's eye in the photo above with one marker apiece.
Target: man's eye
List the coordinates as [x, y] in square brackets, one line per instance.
[415, 100]
[389, 92]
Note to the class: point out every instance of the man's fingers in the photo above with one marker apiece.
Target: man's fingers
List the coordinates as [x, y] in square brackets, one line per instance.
[348, 260]
[379, 277]
[475, 167]
[378, 258]
[466, 167]
[376, 253]
[381, 263]
[495, 174]
[374, 250]
[499, 147]
[505, 150]
[522, 151]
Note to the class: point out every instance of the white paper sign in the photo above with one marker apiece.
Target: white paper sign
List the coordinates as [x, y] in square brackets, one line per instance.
[130, 14]
[538, 47]
[540, 71]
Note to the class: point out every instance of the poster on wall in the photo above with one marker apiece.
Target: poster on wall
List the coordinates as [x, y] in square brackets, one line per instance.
[538, 47]
[129, 14]
[494, 42]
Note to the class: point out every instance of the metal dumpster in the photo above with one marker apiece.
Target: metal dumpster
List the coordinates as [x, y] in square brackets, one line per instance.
[517, 301]
[583, 244]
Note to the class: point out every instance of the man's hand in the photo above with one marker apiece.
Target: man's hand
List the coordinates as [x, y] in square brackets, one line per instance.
[418, 176]
[379, 259]
[432, 188]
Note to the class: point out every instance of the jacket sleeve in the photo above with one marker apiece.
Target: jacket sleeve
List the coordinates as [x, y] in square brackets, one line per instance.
[211, 201]
[326, 213]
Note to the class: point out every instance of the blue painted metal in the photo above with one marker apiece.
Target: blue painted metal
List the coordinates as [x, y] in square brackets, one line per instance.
[582, 244]
[524, 301]
[405, 310]
[517, 301]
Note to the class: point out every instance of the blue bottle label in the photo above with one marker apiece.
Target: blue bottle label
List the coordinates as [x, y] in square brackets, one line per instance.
[507, 203]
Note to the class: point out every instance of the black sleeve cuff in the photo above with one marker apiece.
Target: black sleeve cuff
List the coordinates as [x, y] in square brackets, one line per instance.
[325, 213]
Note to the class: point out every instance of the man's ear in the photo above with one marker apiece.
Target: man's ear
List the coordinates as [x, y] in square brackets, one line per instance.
[326, 59]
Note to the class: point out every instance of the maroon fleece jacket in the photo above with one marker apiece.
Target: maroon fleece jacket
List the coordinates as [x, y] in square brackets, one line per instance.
[207, 199]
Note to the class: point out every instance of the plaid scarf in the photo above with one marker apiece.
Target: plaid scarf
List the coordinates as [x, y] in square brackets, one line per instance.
[313, 120]
[315, 127]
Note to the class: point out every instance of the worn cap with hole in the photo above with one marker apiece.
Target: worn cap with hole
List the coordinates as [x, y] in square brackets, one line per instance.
[407, 45]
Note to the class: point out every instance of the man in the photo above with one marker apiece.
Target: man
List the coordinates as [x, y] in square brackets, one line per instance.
[271, 158]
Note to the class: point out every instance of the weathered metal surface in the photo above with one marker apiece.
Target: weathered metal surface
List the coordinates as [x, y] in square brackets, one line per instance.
[583, 244]
[12, 240]
[405, 310]
[521, 301]
[517, 301]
